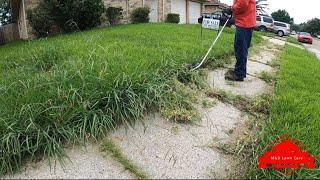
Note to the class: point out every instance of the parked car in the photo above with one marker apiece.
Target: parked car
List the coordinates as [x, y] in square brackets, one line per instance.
[294, 33]
[281, 28]
[264, 23]
[217, 15]
[305, 37]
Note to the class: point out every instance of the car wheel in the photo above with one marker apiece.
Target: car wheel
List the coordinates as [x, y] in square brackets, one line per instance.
[263, 29]
[280, 33]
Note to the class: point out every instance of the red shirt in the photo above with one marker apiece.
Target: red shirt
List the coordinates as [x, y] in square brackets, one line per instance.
[244, 12]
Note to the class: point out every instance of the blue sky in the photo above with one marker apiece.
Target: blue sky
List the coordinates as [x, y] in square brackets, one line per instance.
[301, 11]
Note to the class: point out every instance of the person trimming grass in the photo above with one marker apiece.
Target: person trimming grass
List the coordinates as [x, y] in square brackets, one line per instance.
[244, 12]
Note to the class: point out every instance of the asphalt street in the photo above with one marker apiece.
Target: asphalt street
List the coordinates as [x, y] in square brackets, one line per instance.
[315, 47]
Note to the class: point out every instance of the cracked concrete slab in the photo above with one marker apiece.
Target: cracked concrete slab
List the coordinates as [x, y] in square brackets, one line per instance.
[256, 68]
[85, 163]
[264, 57]
[170, 150]
[251, 87]
[277, 42]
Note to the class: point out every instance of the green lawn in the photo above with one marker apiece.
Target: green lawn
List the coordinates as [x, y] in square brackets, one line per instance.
[295, 108]
[293, 40]
[69, 87]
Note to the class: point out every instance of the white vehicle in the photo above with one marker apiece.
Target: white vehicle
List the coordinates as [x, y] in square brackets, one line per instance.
[281, 28]
[264, 23]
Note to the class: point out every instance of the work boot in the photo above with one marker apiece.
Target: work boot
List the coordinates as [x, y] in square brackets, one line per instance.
[231, 76]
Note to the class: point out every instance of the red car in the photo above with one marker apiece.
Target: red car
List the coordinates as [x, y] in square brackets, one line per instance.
[305, 38]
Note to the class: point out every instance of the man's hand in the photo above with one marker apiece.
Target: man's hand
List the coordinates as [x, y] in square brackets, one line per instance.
[227, 12]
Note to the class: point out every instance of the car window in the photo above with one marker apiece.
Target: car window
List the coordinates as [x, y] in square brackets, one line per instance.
[280, 24]
[267, 20]
[258, 18]
[305, 34]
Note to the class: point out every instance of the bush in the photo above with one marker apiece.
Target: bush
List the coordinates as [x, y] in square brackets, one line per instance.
[41, 20]
[114, 14]
[72, 15]
[89, 13]
[140, 15]
[173, 18]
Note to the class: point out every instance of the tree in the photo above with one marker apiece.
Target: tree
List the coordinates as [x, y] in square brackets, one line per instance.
[283, 16]
[296, 27]
[5, 12]
[312, 26]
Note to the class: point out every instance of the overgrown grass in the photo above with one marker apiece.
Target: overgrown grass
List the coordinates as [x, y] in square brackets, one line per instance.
[65, 88]
[109, 147]
[267, 77]
[293, 40]
[268, 34]
[295, 110]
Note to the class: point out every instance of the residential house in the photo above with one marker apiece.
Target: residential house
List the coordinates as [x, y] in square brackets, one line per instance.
[189, 11]
[214, 6]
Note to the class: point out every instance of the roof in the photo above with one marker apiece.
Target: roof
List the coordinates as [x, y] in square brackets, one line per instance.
[216, 3]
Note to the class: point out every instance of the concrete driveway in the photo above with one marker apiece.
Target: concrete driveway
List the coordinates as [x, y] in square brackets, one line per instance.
[315, 47]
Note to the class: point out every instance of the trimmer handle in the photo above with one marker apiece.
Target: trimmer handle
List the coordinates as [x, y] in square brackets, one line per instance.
[227, 13]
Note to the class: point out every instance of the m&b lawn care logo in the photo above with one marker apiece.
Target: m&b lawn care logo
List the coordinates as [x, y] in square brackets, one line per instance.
[286, 155]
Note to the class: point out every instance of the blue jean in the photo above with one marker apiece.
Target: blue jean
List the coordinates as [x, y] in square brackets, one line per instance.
[241, 46]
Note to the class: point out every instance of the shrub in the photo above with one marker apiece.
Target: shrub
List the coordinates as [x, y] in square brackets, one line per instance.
[173, 18]
[69, 15]
[140, 15]
[114, 14]
[40, 19]
[72, 15]
[89, 13]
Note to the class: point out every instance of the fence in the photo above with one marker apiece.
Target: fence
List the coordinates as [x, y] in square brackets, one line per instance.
[9, 33]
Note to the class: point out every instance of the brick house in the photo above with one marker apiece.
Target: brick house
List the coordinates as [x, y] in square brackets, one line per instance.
[214, 6]
[189, 11]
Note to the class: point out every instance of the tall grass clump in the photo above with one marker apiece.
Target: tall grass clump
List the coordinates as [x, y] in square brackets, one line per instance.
[71, 87]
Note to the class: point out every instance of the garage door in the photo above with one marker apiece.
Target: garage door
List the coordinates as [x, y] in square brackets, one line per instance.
[194, 12]
[179, 7]
[154, 11]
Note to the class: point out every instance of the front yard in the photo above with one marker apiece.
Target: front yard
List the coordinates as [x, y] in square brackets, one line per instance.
[71, 87]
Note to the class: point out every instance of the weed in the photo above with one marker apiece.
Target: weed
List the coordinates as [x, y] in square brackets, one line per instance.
[274, 63]
[258, 106]
[267, 77]
[208, 103]
[109, 147]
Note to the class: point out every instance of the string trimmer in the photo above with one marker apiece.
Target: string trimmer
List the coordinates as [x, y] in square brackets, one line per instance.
[213, 43]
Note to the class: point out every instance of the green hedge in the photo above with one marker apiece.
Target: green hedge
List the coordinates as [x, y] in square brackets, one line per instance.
[173, 18]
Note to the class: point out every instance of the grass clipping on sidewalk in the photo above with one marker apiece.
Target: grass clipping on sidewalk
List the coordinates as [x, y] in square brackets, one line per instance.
[295, 109]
